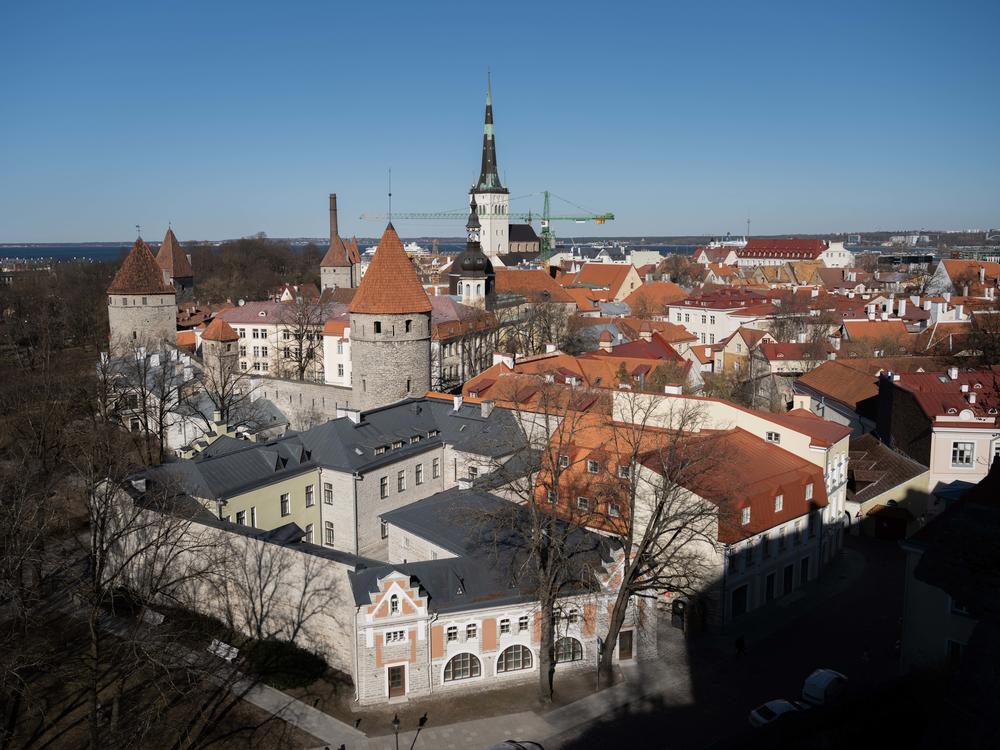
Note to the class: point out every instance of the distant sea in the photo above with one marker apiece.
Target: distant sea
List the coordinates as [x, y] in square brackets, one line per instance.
[114, 252]
[65, 252]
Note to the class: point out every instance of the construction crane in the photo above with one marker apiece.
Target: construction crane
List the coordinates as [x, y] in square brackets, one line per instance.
[547, 237]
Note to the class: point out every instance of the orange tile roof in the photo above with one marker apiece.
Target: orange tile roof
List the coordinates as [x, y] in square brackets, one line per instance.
[970, 269]
[391, 284]
[670, 332]
[335, 327]
[219, 330]
[535, 285]
[604, 275]
[585, 299]
[186, 340]
[841, 382]
[655, 295]
[139, 273]
[875, 329]
[171, 258]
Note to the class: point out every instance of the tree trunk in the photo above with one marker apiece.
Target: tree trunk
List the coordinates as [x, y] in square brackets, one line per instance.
[614, 627]
[546, 658]
[94, 688]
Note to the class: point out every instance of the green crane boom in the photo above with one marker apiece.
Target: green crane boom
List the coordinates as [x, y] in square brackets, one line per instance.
[547, 236]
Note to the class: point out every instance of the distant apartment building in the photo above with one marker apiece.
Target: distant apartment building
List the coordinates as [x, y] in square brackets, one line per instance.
[775, 252]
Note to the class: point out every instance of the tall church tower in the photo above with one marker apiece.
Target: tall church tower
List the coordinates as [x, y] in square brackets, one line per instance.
[390, 329]
[338, 269]
[142, 309]
[491, 198]
[472, 276]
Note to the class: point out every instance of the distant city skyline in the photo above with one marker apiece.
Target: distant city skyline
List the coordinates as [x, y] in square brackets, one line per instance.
[231, 120]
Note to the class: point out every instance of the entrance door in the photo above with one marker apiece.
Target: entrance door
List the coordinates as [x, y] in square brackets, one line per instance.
[624, 645]
[789, 579]
[769, 587]
[397, 681]
[739, 601]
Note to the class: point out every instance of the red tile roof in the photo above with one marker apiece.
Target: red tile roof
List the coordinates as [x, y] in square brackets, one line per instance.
[535, 285]
[171, 258]
[219, 330]
[139, 273]
[893, 328]
[943, 400]
[391, 284]
[603, 275]
[789, 249]
[655, 295]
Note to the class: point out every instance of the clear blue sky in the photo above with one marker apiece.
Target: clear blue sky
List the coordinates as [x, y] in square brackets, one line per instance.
[228, 119]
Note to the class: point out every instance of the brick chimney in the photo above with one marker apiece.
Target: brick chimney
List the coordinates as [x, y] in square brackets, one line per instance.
[333, 216]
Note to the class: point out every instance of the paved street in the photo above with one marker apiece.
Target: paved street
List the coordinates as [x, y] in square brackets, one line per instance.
[857, 607]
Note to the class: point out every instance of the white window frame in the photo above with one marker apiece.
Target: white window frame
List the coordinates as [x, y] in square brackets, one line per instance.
[971, 454]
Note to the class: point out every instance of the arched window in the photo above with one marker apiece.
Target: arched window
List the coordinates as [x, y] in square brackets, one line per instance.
[479, 289]
[394, 605]
[461, 667]
[514, 658]
[568, 649]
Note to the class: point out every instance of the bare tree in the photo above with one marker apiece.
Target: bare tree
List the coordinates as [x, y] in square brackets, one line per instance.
[300, 344]
[228, 391]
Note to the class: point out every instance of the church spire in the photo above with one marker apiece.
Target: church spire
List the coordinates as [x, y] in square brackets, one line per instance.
[489, 180]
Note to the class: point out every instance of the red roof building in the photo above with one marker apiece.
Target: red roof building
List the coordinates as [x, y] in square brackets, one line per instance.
[140, 273]
[391, 284]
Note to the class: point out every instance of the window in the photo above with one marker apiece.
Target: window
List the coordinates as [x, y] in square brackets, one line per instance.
[379, 450]
[340, 371]
[461, 667]
[436, 468]
[394, 604]
[687, 317]
[779, 502]
[243, 351]
[593, 467]
[400, 480]
[418, 474]
[745, 516]
[285, 505]
[623, 471]
[328, 533]
[504, 626]
[395, 636]
[582, 503]
[522, 624]
[765, 545]
[568, 649]
[473, 472]
[253, 515]
[452, 633]
[241, 332]
[340, 347]
[309, 496]
[263, 351]
[704, 319]
[397, 444]
[962, 453]
[614, 510]
[383, 487]
[241, 517]
[383, 529]
[563, 462]
[772, 437]
[408, 326]
[809, 491]
[471, 631]
[552, 496]
[378, 326]
[712, 320]
[309, 533]
[748, 554]
[514, 658]
[256, 351]
[328, 493]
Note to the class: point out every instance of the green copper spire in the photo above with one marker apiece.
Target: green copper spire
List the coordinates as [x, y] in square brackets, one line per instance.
[489, 179]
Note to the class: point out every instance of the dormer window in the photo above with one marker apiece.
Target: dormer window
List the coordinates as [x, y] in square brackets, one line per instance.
[779, 502]
[394, 605]
[397, 444]
[745, 516]
[772, 437]
[809, 491]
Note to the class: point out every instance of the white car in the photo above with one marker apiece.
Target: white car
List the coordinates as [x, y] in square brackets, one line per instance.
[823, 686]
[771, 711]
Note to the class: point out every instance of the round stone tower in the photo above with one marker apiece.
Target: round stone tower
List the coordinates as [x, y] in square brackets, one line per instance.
[220, 345]
[142, 309]
[390, 329]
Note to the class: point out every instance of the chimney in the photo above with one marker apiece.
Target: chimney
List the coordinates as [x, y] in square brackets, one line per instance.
[352, 414]
[990, 292]
[486, 408]
[958, 312]
[947, 296]
[464, 483]
[982, 274]
[885, 315]
[964, 387]
[645, 334]
[216, 417]
[551, 348]
[871, 313]
[972, 397]
[333, 216]
[953, 373]
[673, 390]
[965, 290]
[456, 403]
[606, 345]
[901, 308]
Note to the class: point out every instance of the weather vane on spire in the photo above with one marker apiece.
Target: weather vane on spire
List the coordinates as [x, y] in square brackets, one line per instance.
[138, 231]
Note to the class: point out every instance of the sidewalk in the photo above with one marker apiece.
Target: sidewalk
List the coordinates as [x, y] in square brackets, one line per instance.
[320, 725]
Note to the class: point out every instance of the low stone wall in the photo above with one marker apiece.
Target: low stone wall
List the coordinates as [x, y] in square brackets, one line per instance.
[305, 404]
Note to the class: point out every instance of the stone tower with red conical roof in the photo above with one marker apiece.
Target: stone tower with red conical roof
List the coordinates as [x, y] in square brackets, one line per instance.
[142, 309]
[176, 265]
[220, 346]
[338, 267]
[390, 329]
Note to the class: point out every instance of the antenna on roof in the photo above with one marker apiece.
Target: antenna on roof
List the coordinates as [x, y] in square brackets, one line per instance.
[138, 231]
[748, 227]
[390, 195]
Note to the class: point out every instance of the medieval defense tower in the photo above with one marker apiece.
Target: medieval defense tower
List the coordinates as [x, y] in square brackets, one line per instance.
[142, 307]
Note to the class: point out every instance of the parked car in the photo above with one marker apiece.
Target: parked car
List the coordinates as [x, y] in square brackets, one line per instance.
[823, 686]
[770, 712]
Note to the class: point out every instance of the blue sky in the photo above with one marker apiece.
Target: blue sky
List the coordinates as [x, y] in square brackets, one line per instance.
[228, 119]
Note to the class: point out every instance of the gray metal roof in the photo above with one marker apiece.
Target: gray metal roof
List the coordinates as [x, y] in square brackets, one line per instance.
[493, 566]
[383, 436]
